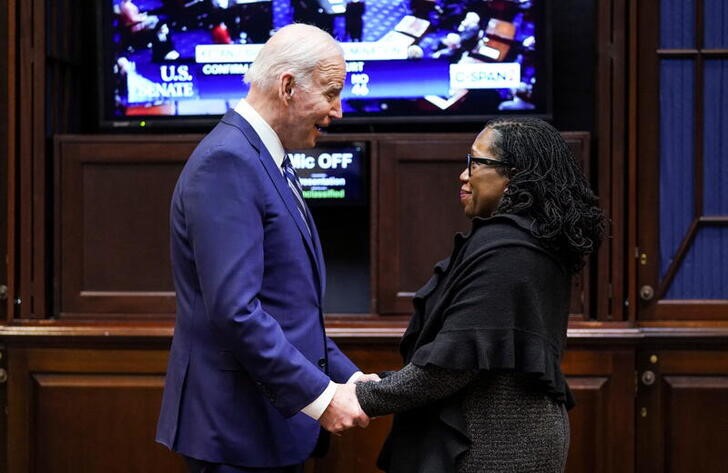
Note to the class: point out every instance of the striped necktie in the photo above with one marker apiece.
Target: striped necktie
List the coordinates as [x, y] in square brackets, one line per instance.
[295, 185]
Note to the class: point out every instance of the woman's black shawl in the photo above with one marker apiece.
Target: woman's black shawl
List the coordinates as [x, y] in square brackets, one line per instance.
[500, 302]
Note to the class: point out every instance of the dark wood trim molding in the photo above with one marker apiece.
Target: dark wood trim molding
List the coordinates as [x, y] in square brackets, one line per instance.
[631, 250]
[611, 111]
[32, 169]
[8, 46]
[379, 329]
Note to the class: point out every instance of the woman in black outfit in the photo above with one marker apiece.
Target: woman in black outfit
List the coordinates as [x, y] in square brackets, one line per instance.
[481, 389]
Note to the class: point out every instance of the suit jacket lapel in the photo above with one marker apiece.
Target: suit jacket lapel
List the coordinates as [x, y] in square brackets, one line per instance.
[281, 186]
[318, 252]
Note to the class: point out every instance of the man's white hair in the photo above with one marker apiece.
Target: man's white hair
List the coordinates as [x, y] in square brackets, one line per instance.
[296, 48]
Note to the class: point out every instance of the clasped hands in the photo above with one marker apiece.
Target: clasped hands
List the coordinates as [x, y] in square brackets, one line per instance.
[344, 411]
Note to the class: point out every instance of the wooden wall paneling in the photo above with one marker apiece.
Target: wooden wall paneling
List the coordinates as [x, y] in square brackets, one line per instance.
[69, 382]
[32, 163]
[696, 414]
[683, 410]
[18, 415]
[24, 121]
[71, 66]
[374, 190]
[611, 113]
[87, 410]
[586, 440]
[112, 197]
[4, 412]
[581, 307]
[7, 165]
[602, 423]
[631, 214]
[112, 214]
[39, 35]
[92, 406]
[75, 414]
[419, 212]
[614, 191]
[8, 66]
[647, 156]
[89, 403]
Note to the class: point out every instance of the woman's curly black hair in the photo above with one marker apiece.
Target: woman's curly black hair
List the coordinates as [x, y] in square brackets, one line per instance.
[547, 184]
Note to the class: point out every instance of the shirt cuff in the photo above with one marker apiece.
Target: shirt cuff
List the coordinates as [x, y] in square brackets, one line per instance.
[355, 377]
[319, 405]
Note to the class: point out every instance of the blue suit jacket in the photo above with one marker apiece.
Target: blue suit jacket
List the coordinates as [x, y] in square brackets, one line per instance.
[249, 348]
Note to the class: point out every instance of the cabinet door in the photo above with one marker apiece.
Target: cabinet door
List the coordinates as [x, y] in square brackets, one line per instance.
[682, 138]
[419, 214]
[112, 212]
[86, 409]
[682, 411]
[602, 422]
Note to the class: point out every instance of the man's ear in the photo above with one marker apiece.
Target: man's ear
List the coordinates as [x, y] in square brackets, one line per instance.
[286, 84]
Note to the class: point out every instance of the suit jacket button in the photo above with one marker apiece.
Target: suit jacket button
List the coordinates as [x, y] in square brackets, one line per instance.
[322, 363]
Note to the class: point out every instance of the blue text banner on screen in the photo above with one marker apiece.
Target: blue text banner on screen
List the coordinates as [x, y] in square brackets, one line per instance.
[376, 79]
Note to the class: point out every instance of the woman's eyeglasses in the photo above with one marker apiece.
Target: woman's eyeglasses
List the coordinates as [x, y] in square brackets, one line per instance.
[473, 162]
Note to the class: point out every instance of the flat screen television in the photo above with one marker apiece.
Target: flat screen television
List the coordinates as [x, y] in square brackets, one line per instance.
[181, 62]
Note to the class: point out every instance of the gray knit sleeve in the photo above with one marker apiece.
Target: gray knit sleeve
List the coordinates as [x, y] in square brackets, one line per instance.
[409, 388]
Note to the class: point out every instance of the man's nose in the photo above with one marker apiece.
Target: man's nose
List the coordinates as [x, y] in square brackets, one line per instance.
[336, 111]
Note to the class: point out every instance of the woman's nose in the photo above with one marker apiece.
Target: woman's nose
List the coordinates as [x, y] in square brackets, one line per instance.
[464, 176]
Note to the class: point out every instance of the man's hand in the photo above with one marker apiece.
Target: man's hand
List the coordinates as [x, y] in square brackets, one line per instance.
[344, 411]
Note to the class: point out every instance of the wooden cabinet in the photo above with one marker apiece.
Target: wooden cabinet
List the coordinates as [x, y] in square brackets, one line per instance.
[76, 409]
[602, 430]
[111, 209]
[680, 225]
[112, 197]
[95, 375]
[90, 308]
[83, 398]
[682, 408]
[87, 399]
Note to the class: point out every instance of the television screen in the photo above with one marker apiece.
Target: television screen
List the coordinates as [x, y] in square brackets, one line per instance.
[179, 61]
[332, 174]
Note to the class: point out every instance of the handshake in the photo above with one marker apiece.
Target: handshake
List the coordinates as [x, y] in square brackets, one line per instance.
[344, 411]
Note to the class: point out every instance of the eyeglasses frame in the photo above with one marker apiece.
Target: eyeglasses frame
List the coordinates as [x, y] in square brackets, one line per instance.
[470, 159]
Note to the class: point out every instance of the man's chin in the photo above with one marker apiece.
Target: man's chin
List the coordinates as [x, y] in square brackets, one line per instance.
[316, 134]
[312, 140]
[304, 143]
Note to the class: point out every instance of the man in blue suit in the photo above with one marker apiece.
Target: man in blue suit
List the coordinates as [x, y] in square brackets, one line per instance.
[251, 370]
